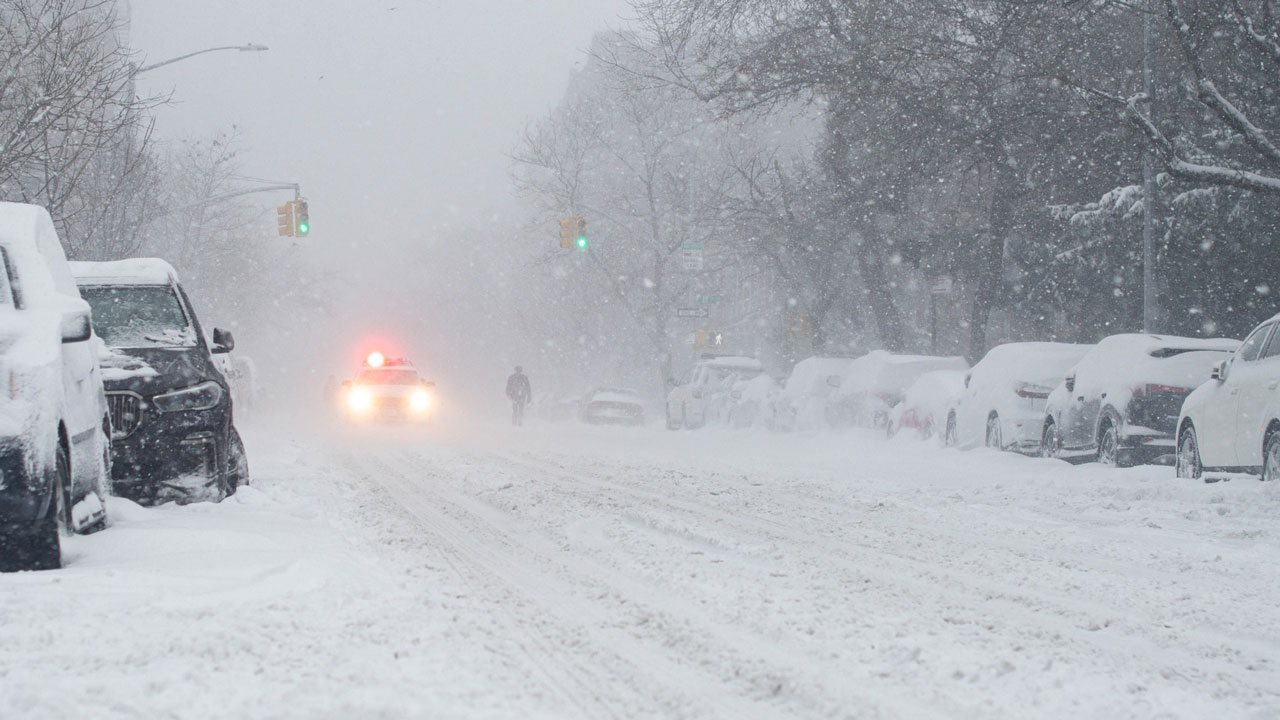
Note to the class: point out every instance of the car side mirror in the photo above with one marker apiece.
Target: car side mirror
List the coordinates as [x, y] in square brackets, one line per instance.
[1219, 371]
[75, 326]
[223, 341]
[1070, 383]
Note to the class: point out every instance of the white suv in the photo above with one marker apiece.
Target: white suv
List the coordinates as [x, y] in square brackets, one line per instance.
[54, 426]
[1232, 422]
[705, 391]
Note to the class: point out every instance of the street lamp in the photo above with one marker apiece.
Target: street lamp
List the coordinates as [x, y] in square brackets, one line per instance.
[251, 47]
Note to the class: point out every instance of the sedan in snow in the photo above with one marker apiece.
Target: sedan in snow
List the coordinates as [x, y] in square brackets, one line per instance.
[1002, 404]
[611, 406]
[924, 409]
[1120, 404]
[1232, 422]
[703, 395]
[876, 382]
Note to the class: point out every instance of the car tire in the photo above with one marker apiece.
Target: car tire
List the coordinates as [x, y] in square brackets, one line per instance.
[995, 433]
[237, 463]
[1271, 456]
[1109, 452]
[1187, 465]
[1050, 442]
[43, 548]
[671, 422]
[951, 437]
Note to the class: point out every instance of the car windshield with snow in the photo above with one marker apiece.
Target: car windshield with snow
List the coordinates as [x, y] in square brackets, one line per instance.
[174, 436]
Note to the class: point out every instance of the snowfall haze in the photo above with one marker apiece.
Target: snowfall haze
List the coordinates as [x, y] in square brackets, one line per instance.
[639, 359]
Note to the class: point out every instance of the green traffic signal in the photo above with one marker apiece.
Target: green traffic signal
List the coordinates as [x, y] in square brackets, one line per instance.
[582, 242]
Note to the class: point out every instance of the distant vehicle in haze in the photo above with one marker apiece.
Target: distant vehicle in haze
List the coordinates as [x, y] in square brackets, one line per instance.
[1002, 403]
[1232, 422]
[1119, 405]
[703, 394]
[173, 429]
[388, 390]
[873, 384]
[54, 427]
[611, 406]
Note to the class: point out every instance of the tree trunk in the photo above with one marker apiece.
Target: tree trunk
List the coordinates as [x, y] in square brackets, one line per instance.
[987, 264]
[884, 310]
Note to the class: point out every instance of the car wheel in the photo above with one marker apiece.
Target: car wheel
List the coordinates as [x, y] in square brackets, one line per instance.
[950, 438]
[44, 546]
[237, 463]
[1188, 465]
[1271, 456]
[995, 435]
[1050, 441]
[672, 423]
[1109, 444]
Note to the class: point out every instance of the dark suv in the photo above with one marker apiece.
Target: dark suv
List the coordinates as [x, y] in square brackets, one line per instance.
[173, 436]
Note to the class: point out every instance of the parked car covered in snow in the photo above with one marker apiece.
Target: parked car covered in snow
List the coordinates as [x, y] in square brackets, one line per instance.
[54, 426]
[802, 404]
[924, 407]
[1002, 404]
[873, 384]
[611, 406]
[174, 436]
[1120, 403]
[751, 402]
[1232, 422]
[704, 393]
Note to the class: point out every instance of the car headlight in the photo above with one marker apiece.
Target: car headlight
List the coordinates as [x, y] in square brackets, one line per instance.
[197, 397]
[359, 399]
[420, 400]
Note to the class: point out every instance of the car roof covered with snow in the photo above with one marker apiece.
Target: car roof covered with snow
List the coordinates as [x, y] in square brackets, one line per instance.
[134, 271]
[879, 371]
[810, 376]
[27, 233]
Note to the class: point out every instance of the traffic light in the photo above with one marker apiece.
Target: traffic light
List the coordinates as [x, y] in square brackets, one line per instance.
[580, 232]
[284, 218]
[301, 223]
[566, 233]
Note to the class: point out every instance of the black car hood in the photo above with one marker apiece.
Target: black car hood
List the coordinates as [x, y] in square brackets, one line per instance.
[150, 371]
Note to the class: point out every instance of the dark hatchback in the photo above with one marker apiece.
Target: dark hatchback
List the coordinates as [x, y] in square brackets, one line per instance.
[173, 431]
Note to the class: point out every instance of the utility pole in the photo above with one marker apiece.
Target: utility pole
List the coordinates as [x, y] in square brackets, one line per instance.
[1150, 193]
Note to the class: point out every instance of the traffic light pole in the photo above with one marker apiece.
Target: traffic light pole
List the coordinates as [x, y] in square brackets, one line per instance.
[297, 194]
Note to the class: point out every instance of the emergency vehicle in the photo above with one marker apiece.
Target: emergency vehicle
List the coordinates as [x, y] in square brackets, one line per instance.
[388, 389]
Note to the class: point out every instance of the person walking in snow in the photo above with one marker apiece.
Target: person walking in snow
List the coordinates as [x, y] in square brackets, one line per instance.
[520, 393]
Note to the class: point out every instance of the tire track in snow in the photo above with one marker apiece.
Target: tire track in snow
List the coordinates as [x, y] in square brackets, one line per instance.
[1168, 655]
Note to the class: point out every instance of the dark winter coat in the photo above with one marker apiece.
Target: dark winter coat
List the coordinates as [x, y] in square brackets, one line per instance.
[518, 388]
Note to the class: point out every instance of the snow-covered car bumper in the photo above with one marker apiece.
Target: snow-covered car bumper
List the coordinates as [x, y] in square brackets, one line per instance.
[24, 501]
[171, 456]
[1023, 432]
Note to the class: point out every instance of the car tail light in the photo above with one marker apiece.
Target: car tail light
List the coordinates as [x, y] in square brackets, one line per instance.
[1029, 390]
[1153, 389]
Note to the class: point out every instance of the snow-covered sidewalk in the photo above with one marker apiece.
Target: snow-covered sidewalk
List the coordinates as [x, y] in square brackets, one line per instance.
[577, 572]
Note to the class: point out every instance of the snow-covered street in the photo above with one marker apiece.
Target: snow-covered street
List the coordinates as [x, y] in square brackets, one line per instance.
[571, 572]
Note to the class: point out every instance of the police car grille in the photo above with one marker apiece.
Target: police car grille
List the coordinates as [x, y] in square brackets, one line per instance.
[126, 413]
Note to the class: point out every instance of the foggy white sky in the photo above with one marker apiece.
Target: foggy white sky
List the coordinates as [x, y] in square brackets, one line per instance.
[397, 118]
[392, 114]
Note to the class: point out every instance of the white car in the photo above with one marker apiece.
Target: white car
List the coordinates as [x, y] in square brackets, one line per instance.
[1232, 422]
[704, 394]
[55, 429]
[388, 390]
[802, 404]
[924, 408]
[1002, 404]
